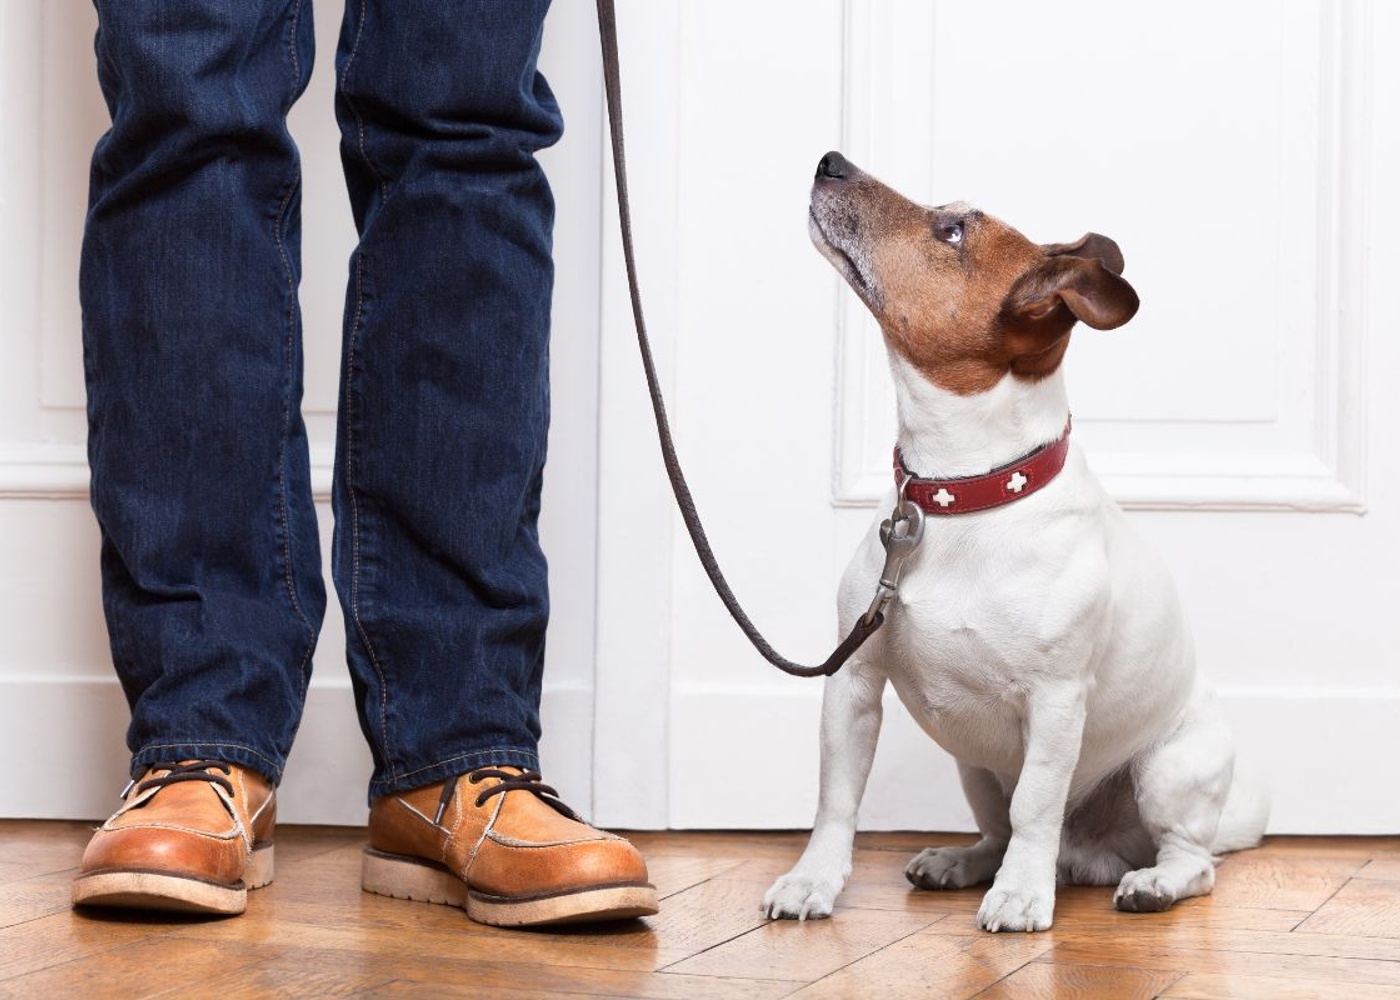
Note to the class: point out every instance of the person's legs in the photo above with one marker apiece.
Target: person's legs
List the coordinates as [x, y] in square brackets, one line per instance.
[192, 340]
[444, 402]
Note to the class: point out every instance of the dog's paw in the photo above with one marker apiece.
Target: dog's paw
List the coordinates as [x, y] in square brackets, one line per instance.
[798, 896]
[1016, 909]
[1144, 891]
[952, 867]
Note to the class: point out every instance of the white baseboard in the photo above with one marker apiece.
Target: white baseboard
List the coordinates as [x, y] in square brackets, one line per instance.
[1331, 760]
[77, 768]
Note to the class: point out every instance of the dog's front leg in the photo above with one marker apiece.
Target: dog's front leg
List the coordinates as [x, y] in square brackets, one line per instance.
[1022, 897]
[851, 714]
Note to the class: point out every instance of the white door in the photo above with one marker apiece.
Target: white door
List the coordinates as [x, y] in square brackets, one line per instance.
[1241, 154]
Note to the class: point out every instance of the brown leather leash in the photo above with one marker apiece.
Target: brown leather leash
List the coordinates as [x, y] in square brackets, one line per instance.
[904, 538]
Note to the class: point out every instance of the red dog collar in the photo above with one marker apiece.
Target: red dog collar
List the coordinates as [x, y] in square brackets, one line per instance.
[1001, 486]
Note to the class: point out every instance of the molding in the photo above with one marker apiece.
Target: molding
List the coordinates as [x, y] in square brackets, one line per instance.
[631, 738]
[60, 472]
[1325, 472]
[914, 785]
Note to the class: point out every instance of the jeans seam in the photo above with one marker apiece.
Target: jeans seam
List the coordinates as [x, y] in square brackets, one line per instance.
[292, 41]
[284, 512]
[359, 119]
[355, 516]
[355, 327]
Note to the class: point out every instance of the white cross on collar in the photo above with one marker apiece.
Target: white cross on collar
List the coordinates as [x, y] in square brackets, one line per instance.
[1017, 482]
[943, 498]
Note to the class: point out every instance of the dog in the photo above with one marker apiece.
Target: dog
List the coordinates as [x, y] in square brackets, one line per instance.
[1031, 634]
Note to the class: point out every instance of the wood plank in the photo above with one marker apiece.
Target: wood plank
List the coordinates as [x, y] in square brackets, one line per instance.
[1363, 907]
[930, 967]
[455, 977]
[276, 970]
[804, 950]
[701, 917]
[1053, 980]
[1213, 986]
[1336, 846]
[49, 845]
[36, 897]
[1090, 909]
[1276, 880]
[467, 941]
[1215, 938]
[296, 844]
[1128, 953]
[877, 882]
[66, 937]
[1383, 867]
[673, 873]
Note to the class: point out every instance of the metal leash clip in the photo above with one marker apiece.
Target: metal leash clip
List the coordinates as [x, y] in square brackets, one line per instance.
[900, 534]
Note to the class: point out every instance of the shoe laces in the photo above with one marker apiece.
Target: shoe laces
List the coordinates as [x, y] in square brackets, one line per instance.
[190, 770]
[525, 781]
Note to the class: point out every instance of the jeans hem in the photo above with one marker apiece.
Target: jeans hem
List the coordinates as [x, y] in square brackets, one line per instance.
[229, 753]
[431, 774]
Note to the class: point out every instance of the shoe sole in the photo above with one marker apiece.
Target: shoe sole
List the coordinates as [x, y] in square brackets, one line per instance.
[417, 879]
[159, 891]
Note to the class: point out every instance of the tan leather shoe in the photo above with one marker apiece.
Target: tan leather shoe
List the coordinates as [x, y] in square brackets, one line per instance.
[192, 837]
[503, 847]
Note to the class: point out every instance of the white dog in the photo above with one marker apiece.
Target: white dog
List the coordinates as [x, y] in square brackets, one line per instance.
[1033, 635]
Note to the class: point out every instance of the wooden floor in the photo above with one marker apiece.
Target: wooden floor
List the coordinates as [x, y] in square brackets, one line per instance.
[1296, 918]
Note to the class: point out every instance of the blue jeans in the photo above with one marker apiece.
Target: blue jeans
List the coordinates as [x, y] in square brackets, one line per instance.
[211, 569]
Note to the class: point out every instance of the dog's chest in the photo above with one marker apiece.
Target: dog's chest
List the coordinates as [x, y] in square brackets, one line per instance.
[985, 614]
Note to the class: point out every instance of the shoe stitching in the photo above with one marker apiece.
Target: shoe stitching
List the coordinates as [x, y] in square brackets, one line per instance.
[485, 832]
[505, 840]
[414, 809]
[243, 829]
[221, 837]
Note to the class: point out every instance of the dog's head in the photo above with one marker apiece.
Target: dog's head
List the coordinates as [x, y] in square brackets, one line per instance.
[960, 295]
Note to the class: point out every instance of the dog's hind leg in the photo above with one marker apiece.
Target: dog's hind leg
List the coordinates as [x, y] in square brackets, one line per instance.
[851, 714]
[960, 867]
[1181, 787]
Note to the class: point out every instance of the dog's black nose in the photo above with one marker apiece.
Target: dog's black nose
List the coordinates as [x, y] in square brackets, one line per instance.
[833, 165]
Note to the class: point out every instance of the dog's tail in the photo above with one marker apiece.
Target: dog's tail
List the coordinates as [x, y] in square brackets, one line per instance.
[1244, 817]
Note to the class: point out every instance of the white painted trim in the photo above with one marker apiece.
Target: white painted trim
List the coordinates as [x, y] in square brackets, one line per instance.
[51, 471]
[635, 507]
[1296, 739]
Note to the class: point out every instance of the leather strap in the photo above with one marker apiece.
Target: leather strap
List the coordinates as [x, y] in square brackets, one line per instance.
[1006, 484]
[607, 30]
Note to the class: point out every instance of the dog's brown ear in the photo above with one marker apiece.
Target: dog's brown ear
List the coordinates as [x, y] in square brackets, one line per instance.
[1086, 286]
[1092, 246]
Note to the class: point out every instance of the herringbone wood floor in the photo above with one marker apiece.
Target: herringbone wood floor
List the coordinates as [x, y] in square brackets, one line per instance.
[1297, 918]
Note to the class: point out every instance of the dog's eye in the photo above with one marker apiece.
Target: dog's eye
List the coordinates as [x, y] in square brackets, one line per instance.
[952, 233]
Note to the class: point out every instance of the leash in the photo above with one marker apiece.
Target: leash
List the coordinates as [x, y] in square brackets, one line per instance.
[900, 533]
